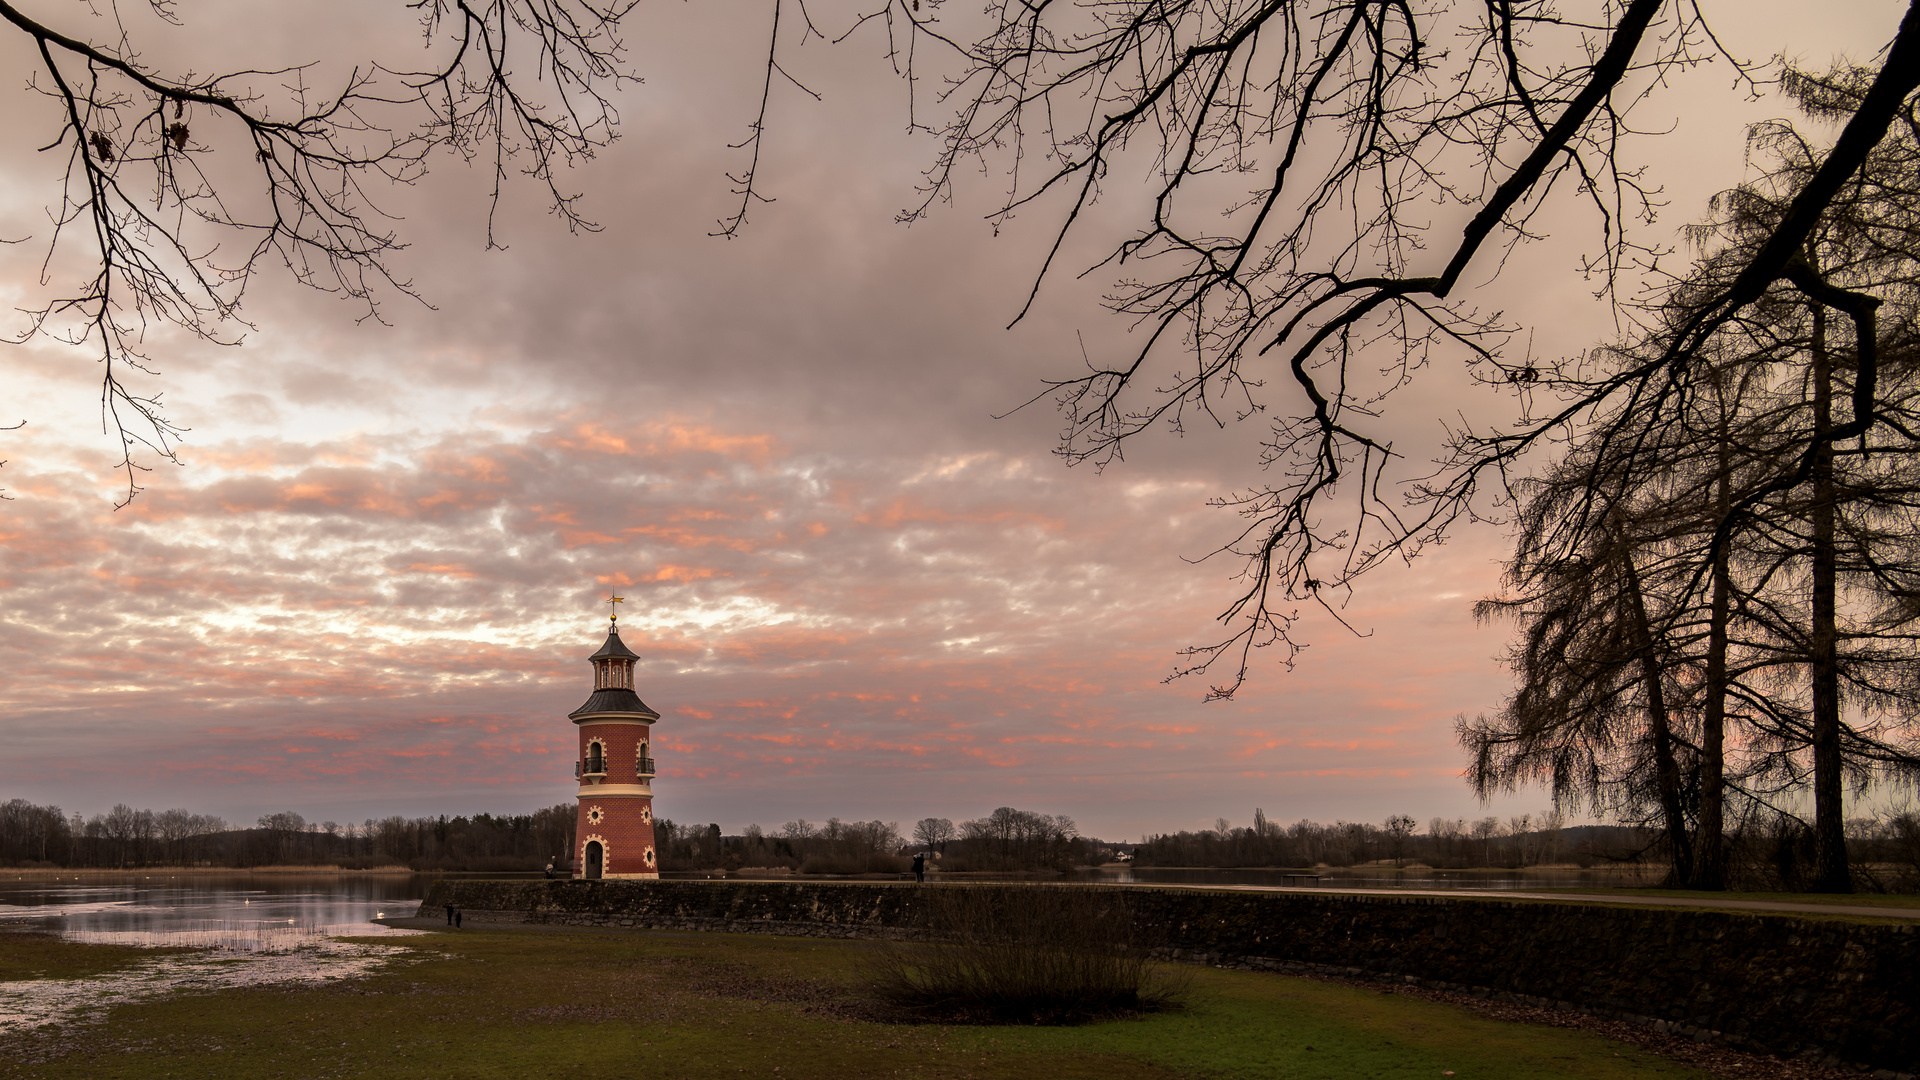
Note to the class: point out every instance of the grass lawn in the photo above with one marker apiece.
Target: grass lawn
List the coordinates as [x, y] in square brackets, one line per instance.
[511, 1003]
[45, 956]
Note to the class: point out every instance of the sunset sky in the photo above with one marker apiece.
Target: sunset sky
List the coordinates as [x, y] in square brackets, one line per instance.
[372, 585]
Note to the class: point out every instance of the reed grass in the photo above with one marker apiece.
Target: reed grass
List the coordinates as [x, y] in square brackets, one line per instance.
[224, 935]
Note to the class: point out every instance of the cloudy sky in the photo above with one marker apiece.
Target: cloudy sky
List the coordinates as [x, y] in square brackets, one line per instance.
[371, 584]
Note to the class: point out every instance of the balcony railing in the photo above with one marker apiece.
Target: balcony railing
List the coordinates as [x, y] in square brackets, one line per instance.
[599, 768]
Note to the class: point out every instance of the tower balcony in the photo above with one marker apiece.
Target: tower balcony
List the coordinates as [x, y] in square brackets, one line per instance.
[645, 768]
[589, 768]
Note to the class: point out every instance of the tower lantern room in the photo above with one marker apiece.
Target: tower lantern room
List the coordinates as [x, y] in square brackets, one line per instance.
[613, 837]
[613, 664]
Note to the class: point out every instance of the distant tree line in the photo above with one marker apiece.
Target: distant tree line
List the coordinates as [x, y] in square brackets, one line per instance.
[1448, 843]
[836, 847]
[1769, 855]
[126, 838]
[1005, 840]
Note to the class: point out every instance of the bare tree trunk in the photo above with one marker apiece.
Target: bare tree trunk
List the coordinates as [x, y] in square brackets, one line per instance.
[1666, 763]
[1830, 873]
[1711, 871]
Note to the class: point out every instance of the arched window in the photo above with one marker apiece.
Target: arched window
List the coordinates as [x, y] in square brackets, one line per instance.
[596, 758]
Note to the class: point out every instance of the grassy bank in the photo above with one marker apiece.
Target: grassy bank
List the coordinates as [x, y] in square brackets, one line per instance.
[526, 1003]
[44, 956]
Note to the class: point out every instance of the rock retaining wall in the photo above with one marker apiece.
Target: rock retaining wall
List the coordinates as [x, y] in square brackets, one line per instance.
[1828, 989]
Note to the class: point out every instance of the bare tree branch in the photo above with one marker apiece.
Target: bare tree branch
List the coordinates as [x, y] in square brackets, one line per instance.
[137, 196]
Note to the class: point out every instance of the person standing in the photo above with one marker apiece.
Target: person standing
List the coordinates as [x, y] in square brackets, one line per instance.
[449, 913]
[920, 867]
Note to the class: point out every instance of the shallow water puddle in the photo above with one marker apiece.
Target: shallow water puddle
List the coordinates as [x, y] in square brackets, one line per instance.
[230, 958]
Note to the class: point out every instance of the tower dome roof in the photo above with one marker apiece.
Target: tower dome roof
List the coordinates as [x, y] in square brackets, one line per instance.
[614, 647]
[621, 702]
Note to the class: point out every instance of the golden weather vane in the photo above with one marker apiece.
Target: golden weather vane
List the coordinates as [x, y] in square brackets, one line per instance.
[613, 613]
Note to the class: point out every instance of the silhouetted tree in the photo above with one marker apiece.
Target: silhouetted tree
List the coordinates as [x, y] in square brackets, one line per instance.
[1693, 549]
[933, 833]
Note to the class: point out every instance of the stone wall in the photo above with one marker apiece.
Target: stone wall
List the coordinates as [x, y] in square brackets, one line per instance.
[1832, 989]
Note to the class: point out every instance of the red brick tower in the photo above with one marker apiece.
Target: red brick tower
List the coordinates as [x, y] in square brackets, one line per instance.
[614, 835]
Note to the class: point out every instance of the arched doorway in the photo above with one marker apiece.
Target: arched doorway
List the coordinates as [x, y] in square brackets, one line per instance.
[593, 858]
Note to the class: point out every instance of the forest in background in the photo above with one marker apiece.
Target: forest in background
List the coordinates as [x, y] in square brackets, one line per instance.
[1007, 840]
[1885, 850]
[123, 837]
[1773, 854]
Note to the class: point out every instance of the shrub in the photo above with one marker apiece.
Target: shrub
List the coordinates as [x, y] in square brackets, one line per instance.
[1034, 954]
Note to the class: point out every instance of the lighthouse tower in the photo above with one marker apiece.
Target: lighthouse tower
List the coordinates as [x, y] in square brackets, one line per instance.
[614, 835]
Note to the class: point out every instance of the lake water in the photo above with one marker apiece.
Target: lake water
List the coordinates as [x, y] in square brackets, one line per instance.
[248, 930]
[1364, 877]
[225, 910]
[1367, 878]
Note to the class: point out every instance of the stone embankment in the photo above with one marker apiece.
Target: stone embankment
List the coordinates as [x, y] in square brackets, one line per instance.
[1821, 989]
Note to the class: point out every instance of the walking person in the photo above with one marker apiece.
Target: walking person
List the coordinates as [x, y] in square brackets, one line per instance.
[450, 913]
[920, 867]
[456, 918]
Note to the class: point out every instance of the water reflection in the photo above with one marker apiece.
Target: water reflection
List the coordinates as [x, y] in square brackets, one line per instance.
[248, 930]
[1362, 878]
[246, 912]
